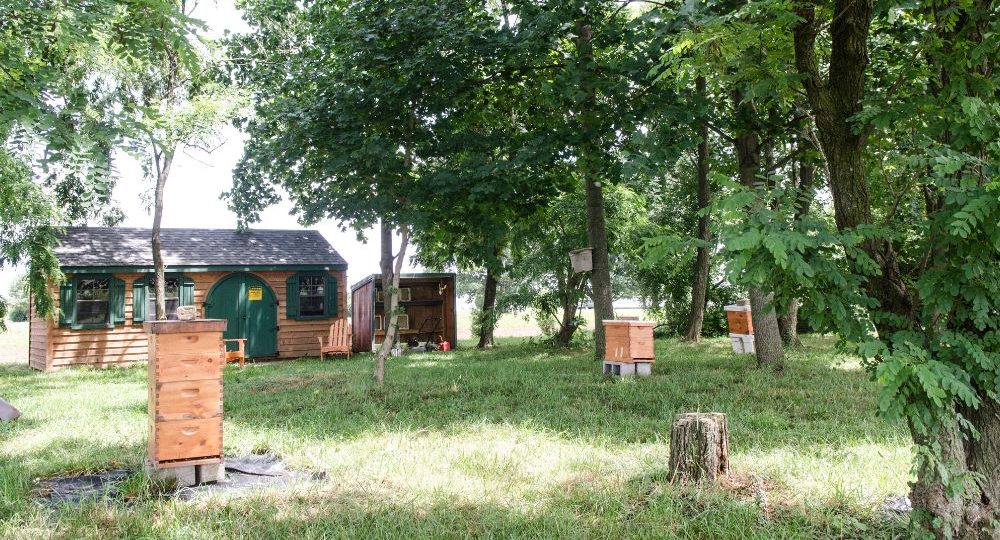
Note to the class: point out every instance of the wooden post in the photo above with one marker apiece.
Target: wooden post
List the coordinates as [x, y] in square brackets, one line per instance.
[699, 447]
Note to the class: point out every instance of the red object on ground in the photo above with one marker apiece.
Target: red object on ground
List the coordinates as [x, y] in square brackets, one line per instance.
[445, 346]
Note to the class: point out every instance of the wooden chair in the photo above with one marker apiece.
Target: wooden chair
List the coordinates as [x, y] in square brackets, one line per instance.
[339, 340]
[239, 355]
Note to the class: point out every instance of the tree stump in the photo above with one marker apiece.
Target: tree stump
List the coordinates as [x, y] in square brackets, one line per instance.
[699, 447]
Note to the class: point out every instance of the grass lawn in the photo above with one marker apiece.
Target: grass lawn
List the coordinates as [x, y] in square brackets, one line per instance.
[520, 441]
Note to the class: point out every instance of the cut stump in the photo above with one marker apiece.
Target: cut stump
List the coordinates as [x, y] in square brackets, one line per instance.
[699, 447]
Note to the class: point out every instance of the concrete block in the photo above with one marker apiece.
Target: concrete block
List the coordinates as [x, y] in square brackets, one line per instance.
[189, 475]
[644, 369]
[619, 369]
[742, 343]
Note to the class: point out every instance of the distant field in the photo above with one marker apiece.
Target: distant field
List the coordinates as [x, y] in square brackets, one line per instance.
[523, 324]
[14, 343]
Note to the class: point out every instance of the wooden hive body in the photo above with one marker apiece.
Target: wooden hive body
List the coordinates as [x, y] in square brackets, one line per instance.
[185, 392]
[740, 319]
[628, 341]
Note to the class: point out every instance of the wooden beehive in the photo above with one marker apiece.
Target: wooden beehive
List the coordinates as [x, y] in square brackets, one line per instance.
[628, 341]
[185, 392]
[740, 320]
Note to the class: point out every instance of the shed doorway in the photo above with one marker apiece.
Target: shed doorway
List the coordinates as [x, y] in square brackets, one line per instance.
[250, 308]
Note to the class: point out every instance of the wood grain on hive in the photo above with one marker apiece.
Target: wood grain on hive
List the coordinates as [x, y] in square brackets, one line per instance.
[628, 341]
[739, 318]
[185, 392]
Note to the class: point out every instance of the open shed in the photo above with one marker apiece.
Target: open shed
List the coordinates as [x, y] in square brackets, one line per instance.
[429, 309]
[278, 289]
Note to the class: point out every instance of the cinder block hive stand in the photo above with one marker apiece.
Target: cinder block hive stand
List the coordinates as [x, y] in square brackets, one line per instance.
[628, 348]
[740, 327]
[185, 400]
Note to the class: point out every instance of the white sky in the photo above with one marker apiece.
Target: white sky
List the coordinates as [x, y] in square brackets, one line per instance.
[191, 196]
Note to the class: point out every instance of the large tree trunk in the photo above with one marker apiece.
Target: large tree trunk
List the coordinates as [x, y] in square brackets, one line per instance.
[699, 285]
[162, 163]
[488, 317]
[834, 102]
[391, 266]
[597, 235]
[767, 336]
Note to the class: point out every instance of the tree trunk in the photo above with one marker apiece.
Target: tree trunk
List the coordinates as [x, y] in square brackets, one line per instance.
[699, 448]
[597, 235]
[834, 102]
[162, 163]
[488, 317]
[767, 336]
[788, 325]
[391, 267]
[699, 285]
[570, 306]
[805, 185]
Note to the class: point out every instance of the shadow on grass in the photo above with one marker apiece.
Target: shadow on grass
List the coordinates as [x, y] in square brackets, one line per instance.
[564, 392]
[644, 507]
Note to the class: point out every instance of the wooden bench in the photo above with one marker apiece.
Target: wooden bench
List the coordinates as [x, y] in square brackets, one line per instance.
[339, 340]
[239, 355]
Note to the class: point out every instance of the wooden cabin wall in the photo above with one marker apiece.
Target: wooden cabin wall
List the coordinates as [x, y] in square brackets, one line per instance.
[38, 338]
[126, 344]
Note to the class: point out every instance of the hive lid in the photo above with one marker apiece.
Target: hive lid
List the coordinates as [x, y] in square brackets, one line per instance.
[185, 327]
[737, 307]
[628, 323]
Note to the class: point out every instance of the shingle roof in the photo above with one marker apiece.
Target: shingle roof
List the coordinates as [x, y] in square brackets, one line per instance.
[121, 246]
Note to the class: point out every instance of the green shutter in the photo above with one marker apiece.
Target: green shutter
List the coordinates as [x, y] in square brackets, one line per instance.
[117, 301]
[187, 291]
[292, 296]
[330, 293]
[139, 300]
[67, 303]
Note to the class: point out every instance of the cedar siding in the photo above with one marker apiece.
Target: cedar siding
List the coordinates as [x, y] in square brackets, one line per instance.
[53, 346]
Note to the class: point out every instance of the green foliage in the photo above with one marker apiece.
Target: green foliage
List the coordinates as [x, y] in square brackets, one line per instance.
[62, 109]
[17, 300]
[349, 99]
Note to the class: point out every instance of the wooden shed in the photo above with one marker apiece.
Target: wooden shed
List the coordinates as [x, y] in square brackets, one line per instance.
[429, 309]
[278, 289]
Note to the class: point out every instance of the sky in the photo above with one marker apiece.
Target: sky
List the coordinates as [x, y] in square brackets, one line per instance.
[191, 196]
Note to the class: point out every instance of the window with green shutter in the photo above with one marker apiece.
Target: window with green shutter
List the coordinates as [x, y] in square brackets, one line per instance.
[179, 292]
[92, 301]
[311, 295]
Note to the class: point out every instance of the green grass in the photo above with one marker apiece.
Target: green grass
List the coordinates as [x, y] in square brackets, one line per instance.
[520, 441]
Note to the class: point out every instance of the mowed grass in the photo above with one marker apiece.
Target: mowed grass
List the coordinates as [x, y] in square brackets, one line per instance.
[519, 441]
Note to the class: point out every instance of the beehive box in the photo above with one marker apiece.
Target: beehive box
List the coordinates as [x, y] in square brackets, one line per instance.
[740, 319]
[628, 341]
[185, 392]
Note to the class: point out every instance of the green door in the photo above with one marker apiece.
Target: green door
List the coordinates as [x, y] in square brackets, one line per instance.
[251, 312]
